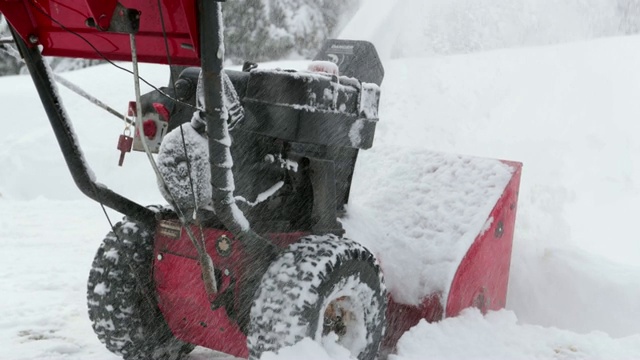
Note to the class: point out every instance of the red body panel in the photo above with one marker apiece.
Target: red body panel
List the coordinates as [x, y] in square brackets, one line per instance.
[42, 20]
[180, 290]
[183, 301]
[483, 275]
[481, 278]
[401, 317]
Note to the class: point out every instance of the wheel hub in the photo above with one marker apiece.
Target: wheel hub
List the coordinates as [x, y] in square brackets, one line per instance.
[337, 317]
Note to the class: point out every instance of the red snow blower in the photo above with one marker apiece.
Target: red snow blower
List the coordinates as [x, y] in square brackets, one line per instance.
[256, 166]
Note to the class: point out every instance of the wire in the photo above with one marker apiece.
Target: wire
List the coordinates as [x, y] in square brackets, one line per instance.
[184, 143]
[198, 246]
[36, 6]
[9, 50]
[166, 42]
[49, 72]
[206, 264]
[104, 210]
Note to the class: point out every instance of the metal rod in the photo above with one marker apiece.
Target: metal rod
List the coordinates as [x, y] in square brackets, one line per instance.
[206, 264]
[66, 83]
[76, 89]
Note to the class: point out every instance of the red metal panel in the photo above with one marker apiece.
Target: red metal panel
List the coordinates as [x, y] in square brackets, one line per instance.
[61, 28]
[180, 290]
[401, 317]
[483, 275]
[481, 278]
[17, 14]
[181, 294]
[184, 304]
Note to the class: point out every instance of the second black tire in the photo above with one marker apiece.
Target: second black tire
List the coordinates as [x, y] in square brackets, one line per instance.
[121, 298]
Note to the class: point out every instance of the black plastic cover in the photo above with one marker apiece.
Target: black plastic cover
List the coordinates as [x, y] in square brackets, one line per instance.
[313, 108]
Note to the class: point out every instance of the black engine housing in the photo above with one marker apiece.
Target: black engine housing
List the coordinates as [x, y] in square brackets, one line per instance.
[300, 128]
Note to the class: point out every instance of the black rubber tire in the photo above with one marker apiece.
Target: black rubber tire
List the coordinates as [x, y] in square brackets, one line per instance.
[121, 298]
[294, 293]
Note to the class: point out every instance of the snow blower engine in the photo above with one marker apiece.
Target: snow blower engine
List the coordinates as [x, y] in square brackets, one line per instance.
[294, 135]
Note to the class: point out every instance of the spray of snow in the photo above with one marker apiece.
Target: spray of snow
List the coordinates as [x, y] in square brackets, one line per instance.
[417, 28]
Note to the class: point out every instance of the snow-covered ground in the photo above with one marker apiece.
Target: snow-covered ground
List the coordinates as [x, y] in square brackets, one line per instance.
[568, 112]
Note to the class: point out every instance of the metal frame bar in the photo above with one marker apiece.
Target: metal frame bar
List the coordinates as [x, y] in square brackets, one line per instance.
[259, 251]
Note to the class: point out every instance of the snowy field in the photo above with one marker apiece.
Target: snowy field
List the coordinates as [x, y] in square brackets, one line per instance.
[569, 112]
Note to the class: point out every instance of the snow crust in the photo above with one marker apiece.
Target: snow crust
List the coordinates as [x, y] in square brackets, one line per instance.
[263, 195]
[355, 133]
[312, 350]
[101, 289]
[369, 93]
[498, 335]
[172, 162]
